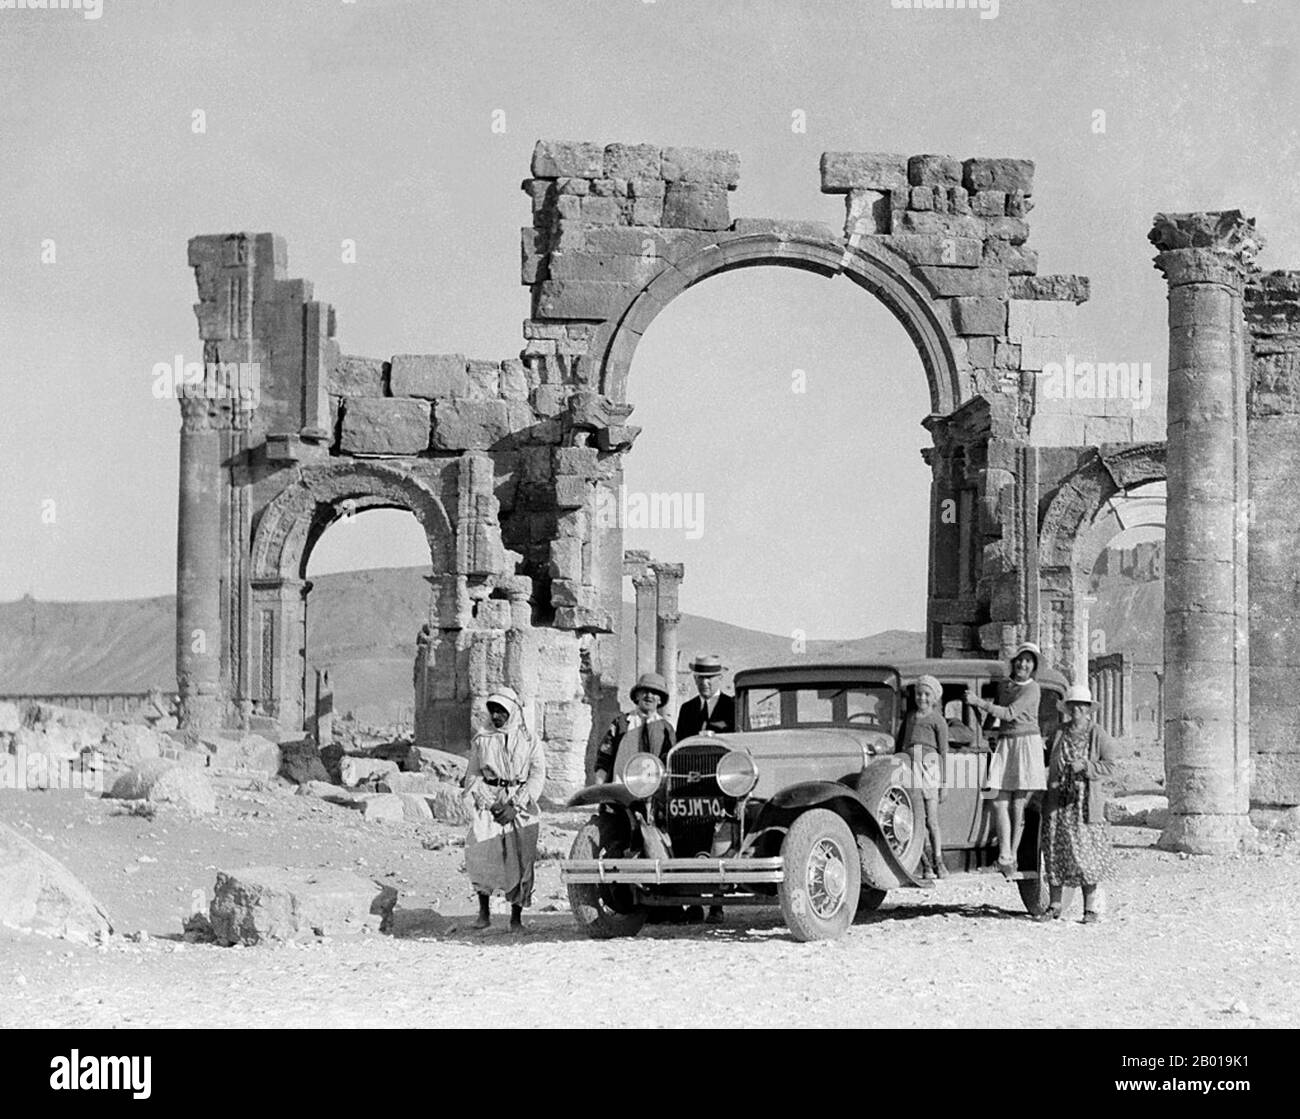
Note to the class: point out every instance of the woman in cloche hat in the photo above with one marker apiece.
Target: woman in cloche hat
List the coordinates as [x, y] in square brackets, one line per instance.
[1076, 839]
[1016, 768]
[644, 729]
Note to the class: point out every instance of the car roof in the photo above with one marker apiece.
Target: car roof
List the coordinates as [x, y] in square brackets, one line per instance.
[908, 669]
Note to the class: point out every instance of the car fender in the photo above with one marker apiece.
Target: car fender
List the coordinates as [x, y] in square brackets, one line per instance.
[849, 802]
[870, 785]
[615, 792]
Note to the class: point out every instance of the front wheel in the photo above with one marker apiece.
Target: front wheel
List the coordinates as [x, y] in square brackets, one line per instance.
[603, 912]
[1034, 892]
[819, 895]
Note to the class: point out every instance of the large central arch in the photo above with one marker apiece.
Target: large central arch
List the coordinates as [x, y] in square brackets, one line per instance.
[875, 269]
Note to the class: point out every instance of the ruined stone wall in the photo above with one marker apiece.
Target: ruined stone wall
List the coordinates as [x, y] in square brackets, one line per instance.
[1273, 419]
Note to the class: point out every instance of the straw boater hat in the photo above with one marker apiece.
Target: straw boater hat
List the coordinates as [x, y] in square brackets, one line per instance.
[1079, 693]
[1030, 648]
[708, 665]
[651, 682]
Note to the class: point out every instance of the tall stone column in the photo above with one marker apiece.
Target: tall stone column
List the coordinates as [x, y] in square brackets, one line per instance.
[198, 566]
[667, 618]
[646, 587]
[1205, 258]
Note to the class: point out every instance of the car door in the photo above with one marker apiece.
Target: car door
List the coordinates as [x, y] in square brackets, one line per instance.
[961, 809]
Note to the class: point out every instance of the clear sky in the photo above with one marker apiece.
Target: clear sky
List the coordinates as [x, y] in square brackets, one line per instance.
[373, 121]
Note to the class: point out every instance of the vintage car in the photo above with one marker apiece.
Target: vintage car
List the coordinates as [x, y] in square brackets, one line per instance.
[807, 804]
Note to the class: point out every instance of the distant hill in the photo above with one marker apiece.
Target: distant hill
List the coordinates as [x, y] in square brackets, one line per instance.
[361, 625]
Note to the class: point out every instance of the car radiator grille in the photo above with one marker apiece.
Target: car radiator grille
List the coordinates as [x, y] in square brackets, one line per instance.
[690, 773]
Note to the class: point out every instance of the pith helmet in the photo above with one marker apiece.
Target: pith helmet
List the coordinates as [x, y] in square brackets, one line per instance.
[651, 682]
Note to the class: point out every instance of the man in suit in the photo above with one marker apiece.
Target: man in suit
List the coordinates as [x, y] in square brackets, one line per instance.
[712, 709]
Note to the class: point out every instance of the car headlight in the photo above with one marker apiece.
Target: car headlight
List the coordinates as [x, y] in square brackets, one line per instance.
[643, 774]
[736, 773]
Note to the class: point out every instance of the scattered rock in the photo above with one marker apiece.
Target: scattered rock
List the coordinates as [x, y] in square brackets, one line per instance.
[450, 767]
[402, 752]
[301, 762]
[198, 929]
[384, 808]
[354, 771]
[128, 744]
[448, 804]
[1284, 820]
[1138, 811]
[415, 807]
[40, 894]
[424, 783]
[161, 781]
[247, 753]
[258, 904]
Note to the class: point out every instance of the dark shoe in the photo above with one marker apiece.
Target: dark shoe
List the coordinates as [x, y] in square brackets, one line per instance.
[1051, 913]
[516, 919]
[1091, 917]
[484, 913]
[715, 915]
[694, 914]
[940, 871]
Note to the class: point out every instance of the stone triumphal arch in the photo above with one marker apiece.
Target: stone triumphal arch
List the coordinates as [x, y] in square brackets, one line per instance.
[510, 464]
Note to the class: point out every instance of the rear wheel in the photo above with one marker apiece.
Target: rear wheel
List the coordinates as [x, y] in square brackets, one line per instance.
[819, 895]
[603, 912]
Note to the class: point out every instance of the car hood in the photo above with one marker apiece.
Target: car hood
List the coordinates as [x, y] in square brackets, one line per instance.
[804, 742]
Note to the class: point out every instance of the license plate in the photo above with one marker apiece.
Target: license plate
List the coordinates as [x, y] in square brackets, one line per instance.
[699, 808]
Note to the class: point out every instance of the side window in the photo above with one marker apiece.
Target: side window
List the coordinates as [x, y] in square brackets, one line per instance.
[1049, 713]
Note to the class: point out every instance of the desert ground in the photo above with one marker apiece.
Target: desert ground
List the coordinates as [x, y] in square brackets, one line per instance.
[1187, 942]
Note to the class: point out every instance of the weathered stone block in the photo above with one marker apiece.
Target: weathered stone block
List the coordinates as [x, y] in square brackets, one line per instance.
[354, 771]
[632, 161]
[601, 210]
[580, 299]
[967, 281]
[933, 170]
[428, 376]
[357, 376]
[1037, 353]
[484, 379]
[866, 212]
[571, 492]
[258, 904]
[550, 400]
[1034, 318]
[566, 721]
[494, 613]
[1075, 289]
[602, 267]
[945, 225]
[989, 203]
[1016, 259]
[998, 174]
[38, 893]
[843, 171]
[979, 315]
[385, 426]
[936, 249]
[1014, 230]
[690, 205]
[554, 159]
[701, 165]
[514, 379]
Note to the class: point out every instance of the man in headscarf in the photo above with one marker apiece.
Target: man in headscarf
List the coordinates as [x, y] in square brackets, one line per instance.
[504, 778]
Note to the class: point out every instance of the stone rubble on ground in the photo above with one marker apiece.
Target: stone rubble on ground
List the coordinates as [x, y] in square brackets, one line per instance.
[254, 905]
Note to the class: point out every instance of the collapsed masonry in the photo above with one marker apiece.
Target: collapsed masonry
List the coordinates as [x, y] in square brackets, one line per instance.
[509, 464]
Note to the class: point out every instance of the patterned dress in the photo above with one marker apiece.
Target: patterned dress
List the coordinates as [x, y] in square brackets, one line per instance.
[1078, 851]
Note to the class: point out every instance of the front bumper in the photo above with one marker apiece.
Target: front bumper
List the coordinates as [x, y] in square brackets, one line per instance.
[673, 872]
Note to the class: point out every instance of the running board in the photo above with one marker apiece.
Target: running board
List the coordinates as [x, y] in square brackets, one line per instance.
[672, 872]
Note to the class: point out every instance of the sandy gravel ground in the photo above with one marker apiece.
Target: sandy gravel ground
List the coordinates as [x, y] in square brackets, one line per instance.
[1187, 942]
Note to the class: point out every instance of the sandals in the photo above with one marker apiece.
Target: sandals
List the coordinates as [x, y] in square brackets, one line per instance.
[1051, 913]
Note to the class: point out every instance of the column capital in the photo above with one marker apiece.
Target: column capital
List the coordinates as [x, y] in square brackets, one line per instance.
[646, 580]
[668, 572]
[1209, 246]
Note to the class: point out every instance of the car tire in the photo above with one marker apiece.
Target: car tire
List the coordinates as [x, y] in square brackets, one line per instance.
[907, 848]
[819, 894]
[602, 912]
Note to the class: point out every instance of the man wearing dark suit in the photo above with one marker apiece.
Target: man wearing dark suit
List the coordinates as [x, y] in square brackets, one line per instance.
[712, 709]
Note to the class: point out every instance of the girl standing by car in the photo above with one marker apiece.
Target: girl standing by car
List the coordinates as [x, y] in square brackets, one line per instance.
[924, 734]
[1016, 768]
[1076, 840]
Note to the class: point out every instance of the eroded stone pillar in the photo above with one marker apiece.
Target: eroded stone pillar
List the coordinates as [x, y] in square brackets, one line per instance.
[646, 588]
[667, 619]
[198, 566]
[1205, 257]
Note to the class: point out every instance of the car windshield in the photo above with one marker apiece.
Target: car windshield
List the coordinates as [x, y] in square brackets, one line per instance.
[867, 706]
